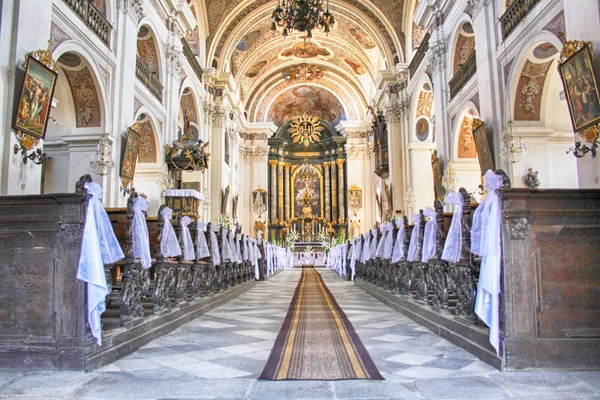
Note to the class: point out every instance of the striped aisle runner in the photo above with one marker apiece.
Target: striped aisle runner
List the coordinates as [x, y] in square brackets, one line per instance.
[317, 341]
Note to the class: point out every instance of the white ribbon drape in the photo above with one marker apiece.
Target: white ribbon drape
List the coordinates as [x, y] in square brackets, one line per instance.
[186, 237]
[99, 246]
[356, 250]
[366, 245]
[226, 248]
[201, 244]
[169, 245]
[246, 255]
[398, 253]
[141, 240]
[486, 240]
[414, 239]
[429, 235]
[453, 245]
[238, 248]
[214, 243]
[373, 244]
[385, 232]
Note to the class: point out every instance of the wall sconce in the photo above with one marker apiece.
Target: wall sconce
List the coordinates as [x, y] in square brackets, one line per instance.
[449, 179]
[26, 143]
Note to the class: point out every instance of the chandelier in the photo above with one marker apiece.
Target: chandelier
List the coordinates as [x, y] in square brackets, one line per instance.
[512, 147]
[102, 161]
[306, 173]
[301, 15]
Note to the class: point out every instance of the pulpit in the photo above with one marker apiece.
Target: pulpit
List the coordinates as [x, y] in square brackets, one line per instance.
[184, 201]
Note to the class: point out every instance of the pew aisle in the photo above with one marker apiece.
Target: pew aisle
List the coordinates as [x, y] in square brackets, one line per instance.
[220, 355]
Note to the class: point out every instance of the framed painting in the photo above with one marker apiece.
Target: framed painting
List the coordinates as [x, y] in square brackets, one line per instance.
[581, 89]
[36, 98]
[436, 167]
[486, 161]
[130, 156]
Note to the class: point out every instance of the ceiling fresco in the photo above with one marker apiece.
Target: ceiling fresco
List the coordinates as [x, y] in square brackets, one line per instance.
[306, 99]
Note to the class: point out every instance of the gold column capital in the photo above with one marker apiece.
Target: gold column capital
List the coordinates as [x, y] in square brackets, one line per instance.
[273, 163]
[326, 164]
[340, 162]
[287, 165]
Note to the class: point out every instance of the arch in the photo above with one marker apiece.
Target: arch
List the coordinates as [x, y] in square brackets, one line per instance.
[471, 154]
[422, 108]
[101, 89]
[152, 52]
[463, 44]
[145, 117]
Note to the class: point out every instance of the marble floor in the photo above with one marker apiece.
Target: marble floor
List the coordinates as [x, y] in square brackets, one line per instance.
[220, 355]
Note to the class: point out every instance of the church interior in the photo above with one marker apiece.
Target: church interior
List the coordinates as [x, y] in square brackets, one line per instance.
[300, 199]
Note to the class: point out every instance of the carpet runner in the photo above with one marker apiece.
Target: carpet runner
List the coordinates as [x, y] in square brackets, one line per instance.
[317, 341]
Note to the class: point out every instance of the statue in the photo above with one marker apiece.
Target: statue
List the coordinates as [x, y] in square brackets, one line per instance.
[531, 180]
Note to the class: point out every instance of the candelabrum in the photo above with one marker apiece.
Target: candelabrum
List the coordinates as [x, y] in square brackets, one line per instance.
[512, 148]
[102, 162]
[205, 202]
[449, 179]
[165, 181]
[302, 16]
[409, 198]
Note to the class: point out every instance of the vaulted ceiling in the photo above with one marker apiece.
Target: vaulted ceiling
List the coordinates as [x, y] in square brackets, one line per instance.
[339, 69]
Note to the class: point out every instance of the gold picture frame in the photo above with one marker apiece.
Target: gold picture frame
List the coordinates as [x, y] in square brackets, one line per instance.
[482, 146]
[34, 105]
[130, 156]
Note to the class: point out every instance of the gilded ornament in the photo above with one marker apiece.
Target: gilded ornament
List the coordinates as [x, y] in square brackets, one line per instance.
[306, 129]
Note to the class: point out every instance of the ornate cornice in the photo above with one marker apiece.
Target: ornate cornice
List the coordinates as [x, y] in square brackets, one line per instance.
[251, 153]
[359, 151]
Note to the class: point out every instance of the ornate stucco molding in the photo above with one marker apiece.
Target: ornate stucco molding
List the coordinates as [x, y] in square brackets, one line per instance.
[359, 151]
[436, 55]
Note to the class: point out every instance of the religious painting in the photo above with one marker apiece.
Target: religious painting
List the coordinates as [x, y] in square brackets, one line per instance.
[422, 129]
[259, 230]
[388, 200]
[306, 50]
[36, 98]
[224, 200]
[130, 156]
[234, 207]
[307, 198]
[486, 161]
[357, 68]
[363, 39]
[355, 199]
[436, 167]
[297, 100]
[255, 69]
[226, 146]
[581, 89]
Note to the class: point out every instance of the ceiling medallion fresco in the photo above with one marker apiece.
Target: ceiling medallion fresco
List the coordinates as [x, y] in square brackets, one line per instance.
[255, 69]
[306, 50]
[306, 129]
[301, 72]
[357, 68]
[248, 40]
[362, 38]
[298, 100]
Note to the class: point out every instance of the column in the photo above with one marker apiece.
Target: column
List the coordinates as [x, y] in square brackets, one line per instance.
[280, 193]
[326, 166]
[286, 192]
[334, 213]
[273, 191]
[341, 188]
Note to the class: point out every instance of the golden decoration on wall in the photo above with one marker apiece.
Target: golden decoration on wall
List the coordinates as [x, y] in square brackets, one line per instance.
[306, 129]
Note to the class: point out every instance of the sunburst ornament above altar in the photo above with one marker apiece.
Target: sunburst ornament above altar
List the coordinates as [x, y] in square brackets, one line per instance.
[306, 129]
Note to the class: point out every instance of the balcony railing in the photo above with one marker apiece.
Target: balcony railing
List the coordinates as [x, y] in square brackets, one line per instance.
[92, 17]
[419, 55]
[192, 59]
[515, 14]
[148, 78]
[460, 79]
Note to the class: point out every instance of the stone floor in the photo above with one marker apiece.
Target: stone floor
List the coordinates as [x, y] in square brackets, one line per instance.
[220, 355]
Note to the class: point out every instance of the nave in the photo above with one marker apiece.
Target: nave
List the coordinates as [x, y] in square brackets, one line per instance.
[222, 353]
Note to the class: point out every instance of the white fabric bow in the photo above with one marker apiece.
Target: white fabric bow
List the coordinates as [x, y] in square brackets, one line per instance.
[201, 244]
[453, 244]
[486, 240]
[398, 253]
[373, 244]
[225, 245]
[141, 241]
[429, 235]
[99, 246]
[214, 242]
[414, 239]
[356, 248]
[365, 247]
[169, 245]
[386, 231]
[188, 243]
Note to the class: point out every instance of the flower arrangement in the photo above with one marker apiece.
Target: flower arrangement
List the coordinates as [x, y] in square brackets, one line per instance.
[309, 249]
[223, 221]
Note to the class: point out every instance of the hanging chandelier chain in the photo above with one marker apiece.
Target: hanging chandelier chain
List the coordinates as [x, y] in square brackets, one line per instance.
[302, 16]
